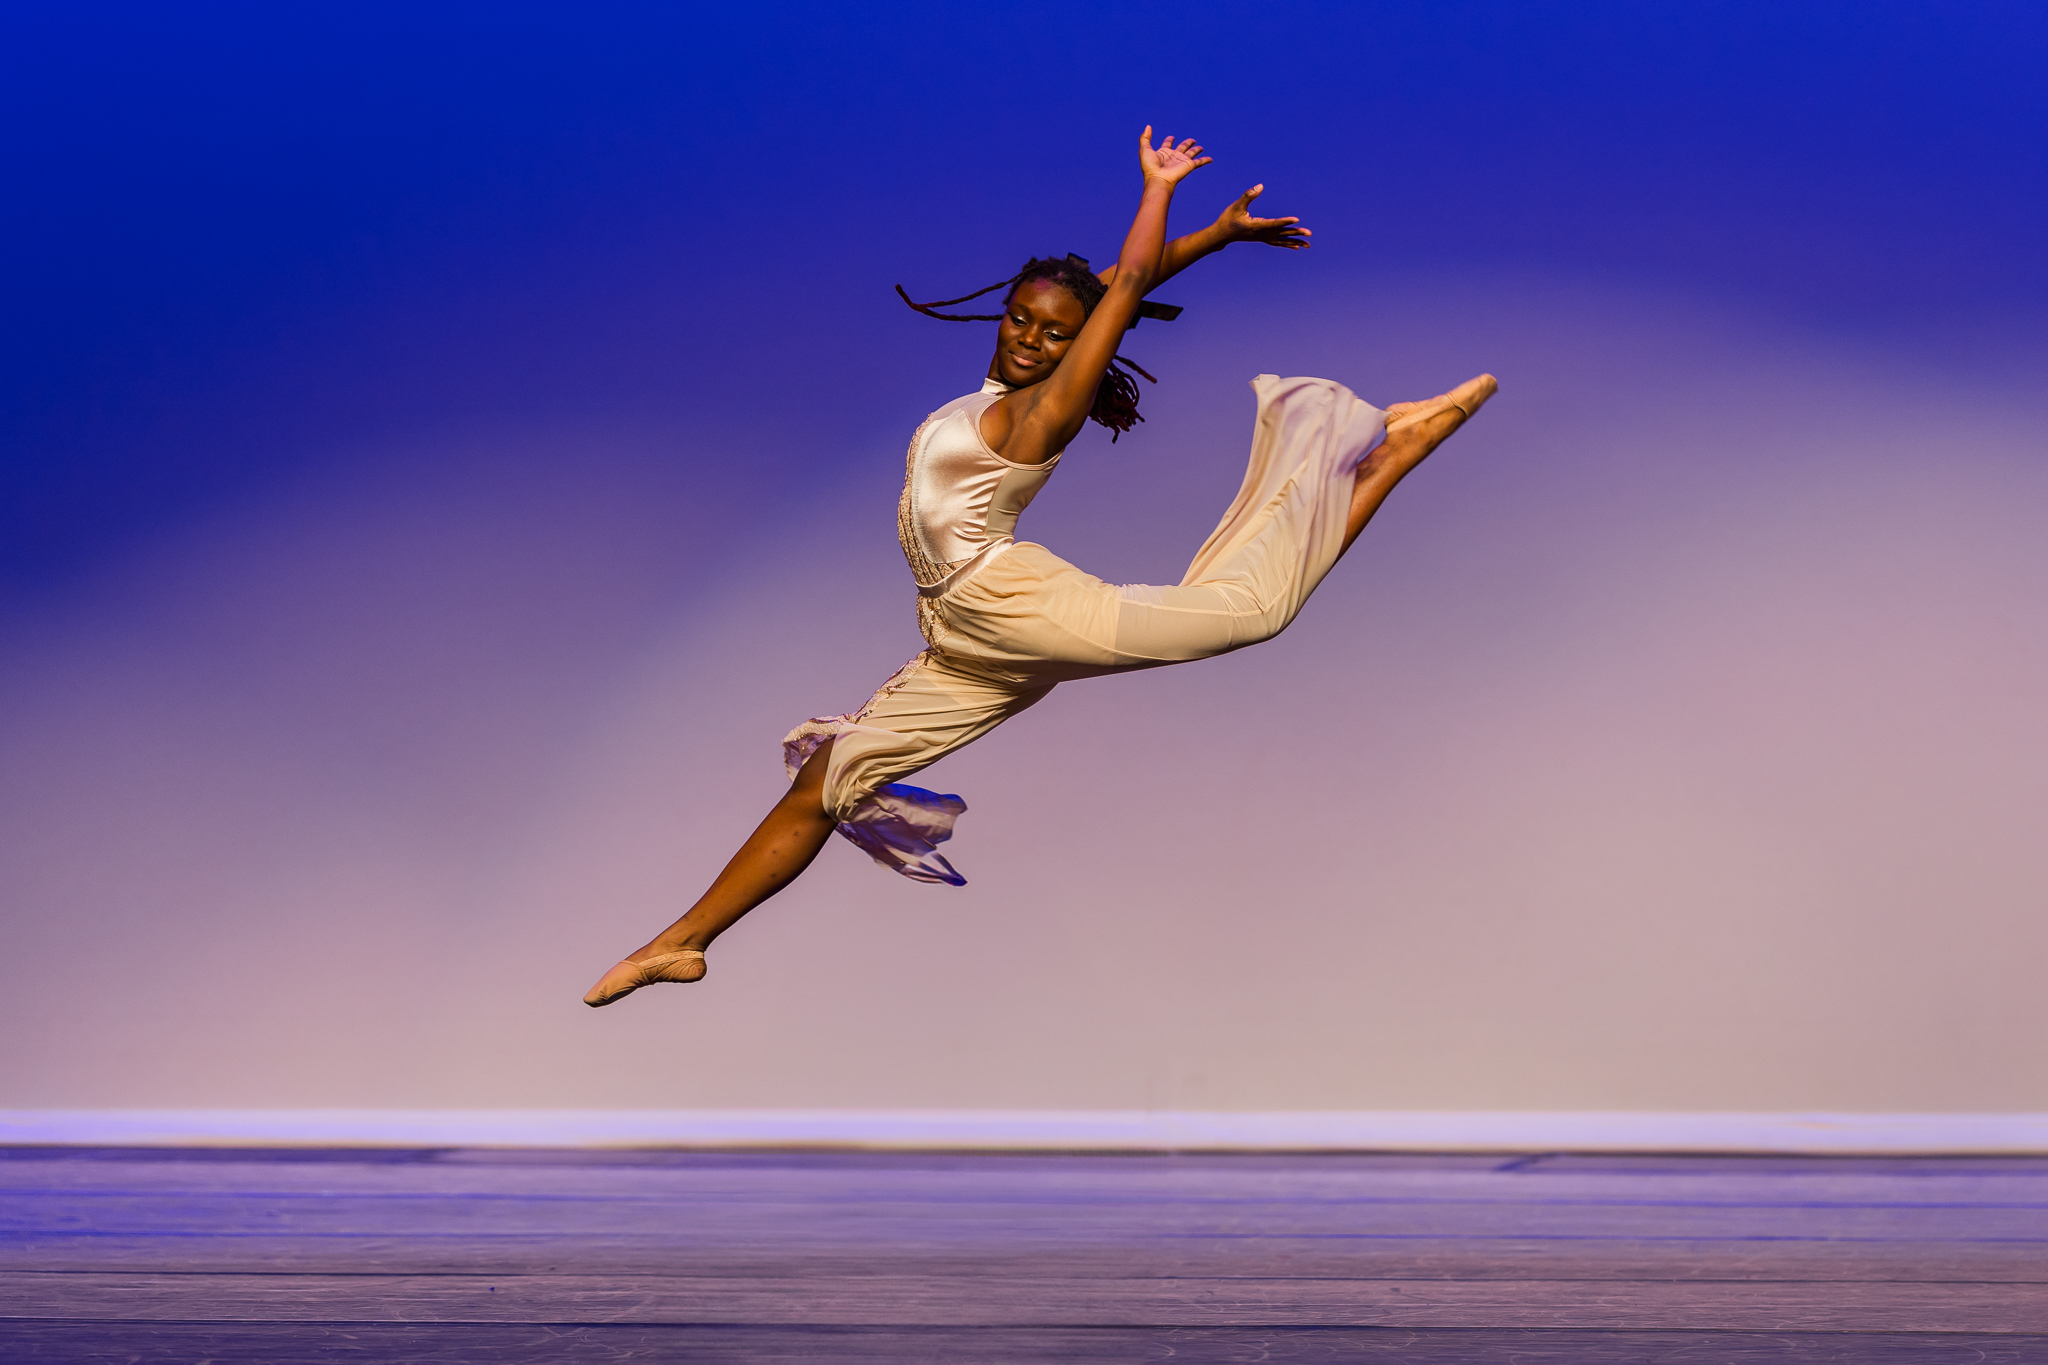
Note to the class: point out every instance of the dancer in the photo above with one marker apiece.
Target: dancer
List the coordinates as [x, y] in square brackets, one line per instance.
[1004, 620]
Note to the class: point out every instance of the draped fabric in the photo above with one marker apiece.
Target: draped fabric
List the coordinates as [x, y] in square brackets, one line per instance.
[1007, 629]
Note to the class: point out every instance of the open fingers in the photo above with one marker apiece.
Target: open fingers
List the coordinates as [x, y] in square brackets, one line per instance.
[1286, 232]
[1187, 152]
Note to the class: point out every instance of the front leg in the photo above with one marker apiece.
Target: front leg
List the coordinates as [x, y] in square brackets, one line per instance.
[1413, 431]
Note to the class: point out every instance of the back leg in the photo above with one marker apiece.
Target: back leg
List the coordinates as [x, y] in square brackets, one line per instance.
[1413, 431]
[773, 856]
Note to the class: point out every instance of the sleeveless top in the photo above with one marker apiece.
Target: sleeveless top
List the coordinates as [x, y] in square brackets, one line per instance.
[960, 499]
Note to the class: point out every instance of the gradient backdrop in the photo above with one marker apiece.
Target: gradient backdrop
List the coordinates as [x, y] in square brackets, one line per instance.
[446, 446]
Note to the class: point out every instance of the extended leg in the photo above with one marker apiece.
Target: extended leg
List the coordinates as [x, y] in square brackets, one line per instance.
[772, 857]
[1296, 514]
[1414, 430]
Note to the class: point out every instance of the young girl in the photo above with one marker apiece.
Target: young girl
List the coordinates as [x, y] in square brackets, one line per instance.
[1006, 620]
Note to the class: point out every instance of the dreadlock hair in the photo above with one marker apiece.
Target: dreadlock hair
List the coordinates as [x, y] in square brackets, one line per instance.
[1116, 398]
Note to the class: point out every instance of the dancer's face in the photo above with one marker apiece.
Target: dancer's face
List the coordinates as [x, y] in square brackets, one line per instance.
[1038, 326]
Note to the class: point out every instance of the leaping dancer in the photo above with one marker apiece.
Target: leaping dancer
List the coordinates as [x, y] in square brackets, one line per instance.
[1004, 620]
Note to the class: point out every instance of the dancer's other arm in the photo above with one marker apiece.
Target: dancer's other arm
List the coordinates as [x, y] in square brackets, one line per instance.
[1034, 424]
[1234, 224]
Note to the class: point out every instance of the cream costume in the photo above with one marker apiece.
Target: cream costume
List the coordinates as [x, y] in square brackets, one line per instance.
[1005, 621]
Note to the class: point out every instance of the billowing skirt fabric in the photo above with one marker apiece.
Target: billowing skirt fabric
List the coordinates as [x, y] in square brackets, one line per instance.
[1029, 620]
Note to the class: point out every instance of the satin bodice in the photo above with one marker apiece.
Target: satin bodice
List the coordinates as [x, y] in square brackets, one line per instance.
[960, 499]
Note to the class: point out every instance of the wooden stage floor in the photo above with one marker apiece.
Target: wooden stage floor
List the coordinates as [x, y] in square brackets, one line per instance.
[232, 1256]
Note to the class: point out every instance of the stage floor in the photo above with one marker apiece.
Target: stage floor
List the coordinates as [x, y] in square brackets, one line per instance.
[233, 1256]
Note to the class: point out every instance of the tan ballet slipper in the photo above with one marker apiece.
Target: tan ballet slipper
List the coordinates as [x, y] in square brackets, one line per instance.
[1407, 414]
[621, 981]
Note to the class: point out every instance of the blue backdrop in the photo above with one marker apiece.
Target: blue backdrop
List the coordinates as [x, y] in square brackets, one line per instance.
[245, 235]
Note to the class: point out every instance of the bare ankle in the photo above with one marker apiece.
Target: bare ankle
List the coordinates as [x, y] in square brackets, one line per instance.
[1400, 452]
[674, 941]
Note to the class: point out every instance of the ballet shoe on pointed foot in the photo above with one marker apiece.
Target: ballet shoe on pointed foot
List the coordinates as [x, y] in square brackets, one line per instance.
[1471, 395]
[629, 976]
[1467, 398]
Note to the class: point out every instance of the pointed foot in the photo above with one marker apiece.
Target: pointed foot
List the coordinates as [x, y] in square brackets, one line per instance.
[628, 976]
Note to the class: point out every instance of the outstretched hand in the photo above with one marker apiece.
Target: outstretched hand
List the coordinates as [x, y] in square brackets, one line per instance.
[1167, 163]
[1238, 225]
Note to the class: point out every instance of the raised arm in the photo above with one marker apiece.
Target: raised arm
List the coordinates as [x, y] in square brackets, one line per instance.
[1035, 424]
[1234, 224]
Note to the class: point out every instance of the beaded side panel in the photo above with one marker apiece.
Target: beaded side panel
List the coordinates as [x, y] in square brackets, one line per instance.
[923, 567]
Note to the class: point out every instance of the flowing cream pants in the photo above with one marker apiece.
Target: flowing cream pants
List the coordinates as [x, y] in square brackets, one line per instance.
[1028, 620]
